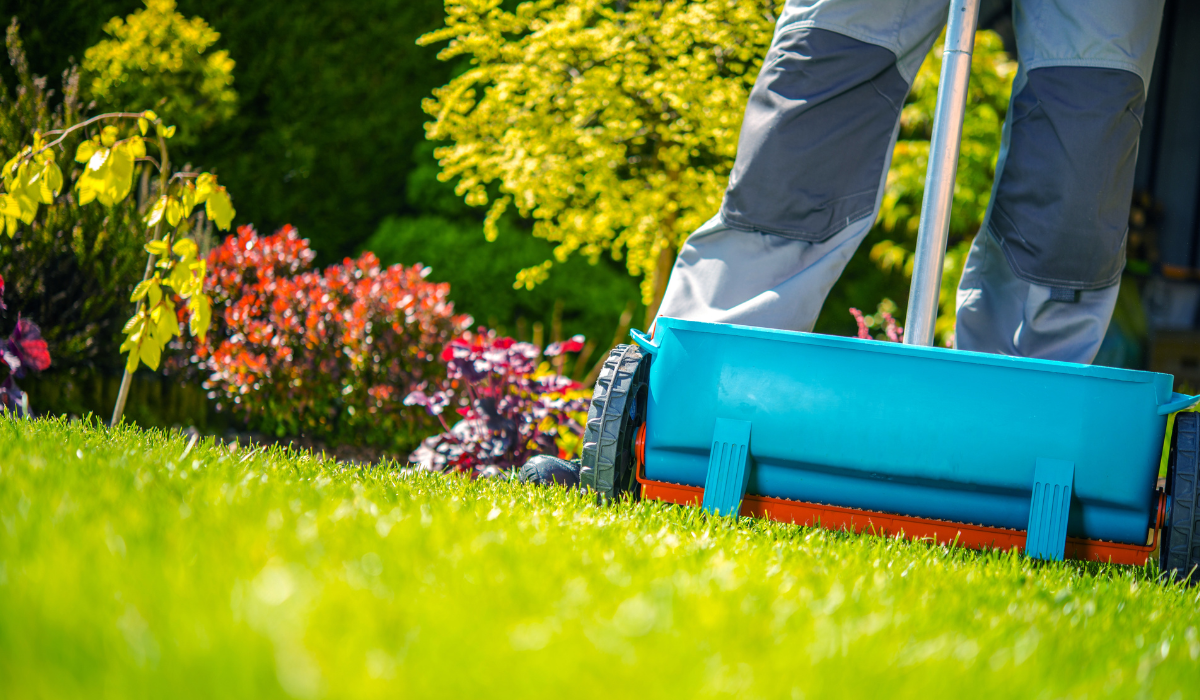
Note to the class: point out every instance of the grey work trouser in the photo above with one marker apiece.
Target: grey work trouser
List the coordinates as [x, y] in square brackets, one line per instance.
[817, 141]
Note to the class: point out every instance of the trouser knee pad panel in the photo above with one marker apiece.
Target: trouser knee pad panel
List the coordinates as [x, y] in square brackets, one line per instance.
[1062, 203]
[815, 138]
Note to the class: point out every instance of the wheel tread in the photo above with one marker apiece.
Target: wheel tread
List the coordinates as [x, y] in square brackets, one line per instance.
[1180, 554]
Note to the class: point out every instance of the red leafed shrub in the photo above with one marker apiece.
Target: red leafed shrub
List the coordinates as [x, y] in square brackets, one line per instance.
[325, 354]
[510, 407]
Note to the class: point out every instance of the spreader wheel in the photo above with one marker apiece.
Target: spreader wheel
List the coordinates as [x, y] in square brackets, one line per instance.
[1179, 553]
[618, 408]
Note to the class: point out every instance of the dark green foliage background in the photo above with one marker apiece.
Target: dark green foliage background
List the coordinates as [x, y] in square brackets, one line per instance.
[329, 107]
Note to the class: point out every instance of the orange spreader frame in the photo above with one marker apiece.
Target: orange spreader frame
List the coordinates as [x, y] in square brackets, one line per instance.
[940, 531]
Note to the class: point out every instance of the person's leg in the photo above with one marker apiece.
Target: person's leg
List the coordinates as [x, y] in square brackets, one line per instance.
[812, 162]
[1042, 276]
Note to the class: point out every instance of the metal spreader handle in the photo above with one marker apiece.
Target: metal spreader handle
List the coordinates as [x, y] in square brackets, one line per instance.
[939, 179]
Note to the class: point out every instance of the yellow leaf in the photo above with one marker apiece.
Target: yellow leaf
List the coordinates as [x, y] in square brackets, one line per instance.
[150, 353]
[166, 324]
[220, 209]
[174, 211]
[136, 147]
[53, 176]
[201, 317]
[180, 280]
[158, 247]
[184, 248]
[187, 199]
[84, 153]
[132, 363]
[99, 159]
[156, 212]
[108, 135]
[169, 131]
[205, 184]
[10, 209]
[120, 178]
[155, 294]
[143, 125]
[138, 292]
[150, 115]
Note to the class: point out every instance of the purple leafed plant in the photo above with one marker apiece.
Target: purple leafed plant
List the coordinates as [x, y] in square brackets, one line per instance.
[509, 410]
[24, 351]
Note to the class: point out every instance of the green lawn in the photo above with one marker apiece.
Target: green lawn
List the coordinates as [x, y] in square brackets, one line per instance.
[131, 566]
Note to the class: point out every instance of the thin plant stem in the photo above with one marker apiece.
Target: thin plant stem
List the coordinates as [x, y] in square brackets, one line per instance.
[127, 378]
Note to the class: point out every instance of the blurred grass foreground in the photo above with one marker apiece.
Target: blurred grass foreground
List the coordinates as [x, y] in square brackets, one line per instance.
[141, 564]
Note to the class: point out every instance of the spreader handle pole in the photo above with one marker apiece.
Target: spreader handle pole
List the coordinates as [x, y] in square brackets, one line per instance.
[939, 179]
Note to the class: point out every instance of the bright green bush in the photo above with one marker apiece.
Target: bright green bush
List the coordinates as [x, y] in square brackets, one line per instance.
[157, 58]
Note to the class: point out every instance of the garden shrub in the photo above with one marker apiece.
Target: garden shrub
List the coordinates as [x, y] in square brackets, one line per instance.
[158, 58]
[327, 354]
[73, 268]
[512, 408]
[608, 150]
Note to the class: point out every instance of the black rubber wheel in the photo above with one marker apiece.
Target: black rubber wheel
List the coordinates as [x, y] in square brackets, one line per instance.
[547, 469]
[617, 409]
[1179, 549]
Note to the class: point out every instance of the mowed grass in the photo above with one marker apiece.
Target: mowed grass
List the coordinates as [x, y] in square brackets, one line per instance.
[133, 566]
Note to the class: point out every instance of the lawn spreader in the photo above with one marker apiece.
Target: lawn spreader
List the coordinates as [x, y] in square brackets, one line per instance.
[1053, 458]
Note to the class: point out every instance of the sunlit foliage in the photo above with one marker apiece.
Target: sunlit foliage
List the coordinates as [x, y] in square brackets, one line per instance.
[158, 58]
